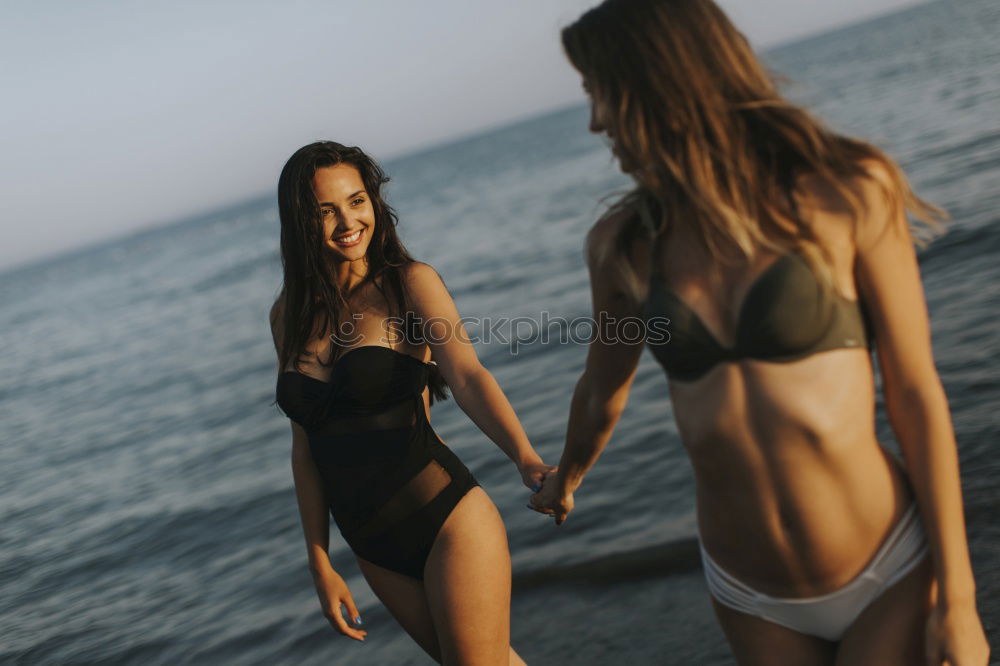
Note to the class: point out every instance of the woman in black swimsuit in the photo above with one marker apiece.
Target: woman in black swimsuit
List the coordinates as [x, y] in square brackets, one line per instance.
[779, 251]
[356, 378]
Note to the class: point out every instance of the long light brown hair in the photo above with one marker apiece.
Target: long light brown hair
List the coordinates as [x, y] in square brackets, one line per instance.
[719, 147]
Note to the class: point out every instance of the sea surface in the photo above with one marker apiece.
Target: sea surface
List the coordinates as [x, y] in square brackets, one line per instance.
[147, 513]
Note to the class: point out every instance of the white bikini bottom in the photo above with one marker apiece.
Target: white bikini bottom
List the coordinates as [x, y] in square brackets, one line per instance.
[827, 616]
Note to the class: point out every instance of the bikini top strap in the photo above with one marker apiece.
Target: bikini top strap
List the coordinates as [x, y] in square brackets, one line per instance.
[652, 226]
[646, 215]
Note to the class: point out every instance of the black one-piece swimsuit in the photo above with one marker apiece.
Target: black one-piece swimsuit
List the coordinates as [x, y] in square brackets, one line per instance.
[390, 481]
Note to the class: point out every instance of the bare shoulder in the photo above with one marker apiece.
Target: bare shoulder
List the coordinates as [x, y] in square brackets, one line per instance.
[421, 279]
[876, 174]
[615, 238]
[870, 185]
[833, 218]
[277, 308]
[605, 232]
[417, 272]
[882, 209]
[428, 298]
[426, 292]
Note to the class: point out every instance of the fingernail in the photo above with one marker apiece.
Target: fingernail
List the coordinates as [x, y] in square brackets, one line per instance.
[357, 620]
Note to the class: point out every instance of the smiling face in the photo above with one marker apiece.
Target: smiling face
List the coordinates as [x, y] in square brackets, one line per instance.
[346, 209]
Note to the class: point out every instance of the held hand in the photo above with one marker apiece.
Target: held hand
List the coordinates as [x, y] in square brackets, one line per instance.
[955, 637]
[333, 592]
[533, 474]
[551, 501]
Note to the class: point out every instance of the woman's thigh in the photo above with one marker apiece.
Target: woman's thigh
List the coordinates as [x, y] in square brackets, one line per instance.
[406, 600]
[467, 580]
[757, 642]
[891, 629]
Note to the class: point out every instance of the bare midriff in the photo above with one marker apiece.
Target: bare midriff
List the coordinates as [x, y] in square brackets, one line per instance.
[794, 493]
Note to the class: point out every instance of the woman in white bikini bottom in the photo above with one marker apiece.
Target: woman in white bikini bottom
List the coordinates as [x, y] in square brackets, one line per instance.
[827, 616]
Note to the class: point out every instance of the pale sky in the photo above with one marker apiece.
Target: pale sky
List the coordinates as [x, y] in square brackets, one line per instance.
[119, 115]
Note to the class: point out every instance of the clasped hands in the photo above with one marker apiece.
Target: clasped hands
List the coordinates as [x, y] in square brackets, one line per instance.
[551, 497]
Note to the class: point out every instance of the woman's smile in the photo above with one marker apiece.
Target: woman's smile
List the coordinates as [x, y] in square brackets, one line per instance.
[346, 211]
[349, 239]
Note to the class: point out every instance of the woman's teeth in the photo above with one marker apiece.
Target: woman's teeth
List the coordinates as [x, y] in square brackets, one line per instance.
[349, 238]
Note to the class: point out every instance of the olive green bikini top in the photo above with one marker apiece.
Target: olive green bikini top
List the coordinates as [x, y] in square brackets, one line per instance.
[787, 314]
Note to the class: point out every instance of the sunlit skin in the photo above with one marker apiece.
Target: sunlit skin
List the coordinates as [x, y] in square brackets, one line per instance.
[792, 429]
[460, 612]
[794, 492]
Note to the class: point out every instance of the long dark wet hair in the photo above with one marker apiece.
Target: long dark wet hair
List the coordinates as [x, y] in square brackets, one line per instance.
[313, 301]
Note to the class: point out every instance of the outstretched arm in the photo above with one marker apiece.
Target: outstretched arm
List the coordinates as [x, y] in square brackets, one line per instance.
[474, 388]
[602, 391]
[888, 280]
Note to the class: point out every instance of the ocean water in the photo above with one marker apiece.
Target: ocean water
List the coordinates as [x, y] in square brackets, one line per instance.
[147, 512]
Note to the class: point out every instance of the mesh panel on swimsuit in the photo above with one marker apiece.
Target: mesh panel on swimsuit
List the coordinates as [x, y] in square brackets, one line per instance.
[417, 493]
[390, 481]
[401, 415]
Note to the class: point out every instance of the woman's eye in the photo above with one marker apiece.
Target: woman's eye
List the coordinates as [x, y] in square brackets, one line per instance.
[325, 212]
[358, 201]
